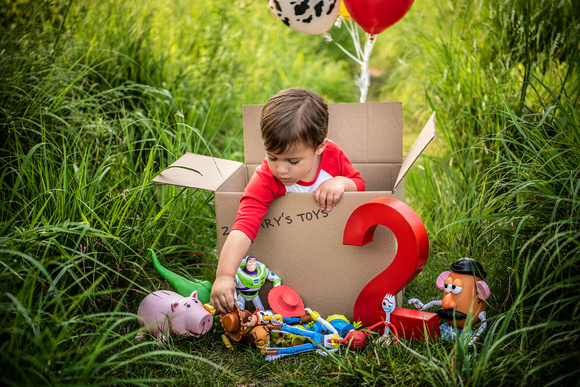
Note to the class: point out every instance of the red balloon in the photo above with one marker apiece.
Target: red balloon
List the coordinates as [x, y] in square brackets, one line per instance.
[375, 16]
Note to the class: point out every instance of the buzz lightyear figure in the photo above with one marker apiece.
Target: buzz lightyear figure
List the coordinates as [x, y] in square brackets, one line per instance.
[251, 276]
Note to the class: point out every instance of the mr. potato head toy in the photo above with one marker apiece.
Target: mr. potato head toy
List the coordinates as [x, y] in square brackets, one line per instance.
[464, 295]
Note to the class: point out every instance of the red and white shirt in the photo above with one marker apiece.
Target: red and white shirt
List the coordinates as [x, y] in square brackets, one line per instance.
[264, 187]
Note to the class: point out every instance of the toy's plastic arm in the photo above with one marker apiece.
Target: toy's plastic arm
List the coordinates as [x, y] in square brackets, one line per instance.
[271, 317]
[297, 320]
[277, 322]
[315, 316]
[276, 281]
[419, 305]
[416, 303]
[329, 341]
[386, 324]
[482, 317]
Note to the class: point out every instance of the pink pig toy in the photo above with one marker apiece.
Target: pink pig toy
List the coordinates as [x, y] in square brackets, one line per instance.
[165, 311]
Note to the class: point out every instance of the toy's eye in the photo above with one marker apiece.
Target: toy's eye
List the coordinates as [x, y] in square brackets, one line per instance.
[187, 305]
[447, 288]
[456, 289]
[195, 301]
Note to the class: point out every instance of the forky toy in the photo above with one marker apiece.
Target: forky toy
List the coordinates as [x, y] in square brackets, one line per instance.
[464, 295]
[389, 304]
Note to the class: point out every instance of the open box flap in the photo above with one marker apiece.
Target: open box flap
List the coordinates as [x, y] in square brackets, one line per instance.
[196, 171]
[427, 135]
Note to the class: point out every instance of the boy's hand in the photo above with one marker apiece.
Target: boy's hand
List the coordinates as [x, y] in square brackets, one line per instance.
[330, 191]
[222, 294]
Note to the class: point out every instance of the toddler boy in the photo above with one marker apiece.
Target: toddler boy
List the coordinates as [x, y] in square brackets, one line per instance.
[299, 158]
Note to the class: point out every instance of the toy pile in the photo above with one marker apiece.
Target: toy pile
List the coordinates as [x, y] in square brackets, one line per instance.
[290, 328]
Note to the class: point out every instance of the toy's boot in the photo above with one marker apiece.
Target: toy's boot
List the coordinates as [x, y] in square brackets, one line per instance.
[271, 354]
[269, 351]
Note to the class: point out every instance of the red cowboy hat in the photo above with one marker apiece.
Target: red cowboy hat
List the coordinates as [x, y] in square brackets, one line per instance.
[285, 301]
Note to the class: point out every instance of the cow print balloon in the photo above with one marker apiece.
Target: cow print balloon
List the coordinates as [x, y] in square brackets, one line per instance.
[308, 16]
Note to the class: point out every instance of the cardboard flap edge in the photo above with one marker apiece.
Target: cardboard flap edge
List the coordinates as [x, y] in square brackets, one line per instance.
[197, 171]
[423, 140]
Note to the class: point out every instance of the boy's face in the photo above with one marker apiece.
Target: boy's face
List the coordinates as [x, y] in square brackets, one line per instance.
[299, 162]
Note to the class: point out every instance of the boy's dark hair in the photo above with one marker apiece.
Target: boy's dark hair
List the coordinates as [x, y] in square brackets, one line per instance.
[294, 116]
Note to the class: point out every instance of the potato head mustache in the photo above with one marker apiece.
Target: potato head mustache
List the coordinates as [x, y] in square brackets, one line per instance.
[451, 314]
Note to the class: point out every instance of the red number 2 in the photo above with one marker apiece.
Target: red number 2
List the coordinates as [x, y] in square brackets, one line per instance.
[411, 257]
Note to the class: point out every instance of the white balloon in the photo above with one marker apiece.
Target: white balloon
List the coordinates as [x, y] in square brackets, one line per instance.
[308, 16]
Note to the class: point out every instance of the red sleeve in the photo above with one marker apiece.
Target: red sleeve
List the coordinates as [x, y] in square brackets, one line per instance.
[259, 193]
[344, 165]
[349, 171]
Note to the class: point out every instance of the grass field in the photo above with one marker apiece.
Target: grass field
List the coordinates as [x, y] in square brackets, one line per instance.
[97, 98]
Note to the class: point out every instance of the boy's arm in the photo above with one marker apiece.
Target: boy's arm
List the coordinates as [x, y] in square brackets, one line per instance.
[233, 251]
[262, 189]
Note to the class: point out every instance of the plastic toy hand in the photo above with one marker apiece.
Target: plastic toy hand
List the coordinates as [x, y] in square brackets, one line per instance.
[482, 317]
[329, 192]
[325, 353]
[416, 303]
[276, 322]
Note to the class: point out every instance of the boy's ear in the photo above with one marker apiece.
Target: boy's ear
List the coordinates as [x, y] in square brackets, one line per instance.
[321, 147]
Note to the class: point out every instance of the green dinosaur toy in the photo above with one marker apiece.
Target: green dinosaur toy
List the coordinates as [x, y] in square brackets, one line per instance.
[182, 285]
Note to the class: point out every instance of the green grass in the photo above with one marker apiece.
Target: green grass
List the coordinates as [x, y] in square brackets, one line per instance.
[97, 98]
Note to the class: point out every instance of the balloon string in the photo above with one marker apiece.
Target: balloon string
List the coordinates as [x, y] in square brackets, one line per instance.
[362, 57]
[348, 53]
[365, 80]
[353, 31]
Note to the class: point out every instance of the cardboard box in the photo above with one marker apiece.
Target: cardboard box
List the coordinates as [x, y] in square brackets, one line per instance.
[298, 241]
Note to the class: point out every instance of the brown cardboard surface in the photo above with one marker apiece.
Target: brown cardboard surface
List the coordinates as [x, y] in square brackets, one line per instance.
[367, 133]
[197, 171]
[303, 245]
[298, 241]
[423, 140]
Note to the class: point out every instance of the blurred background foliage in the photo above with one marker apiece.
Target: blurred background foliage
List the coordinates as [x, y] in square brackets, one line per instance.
[97, 98]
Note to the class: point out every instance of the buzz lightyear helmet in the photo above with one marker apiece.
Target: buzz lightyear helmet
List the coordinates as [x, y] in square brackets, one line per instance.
[245, 262]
